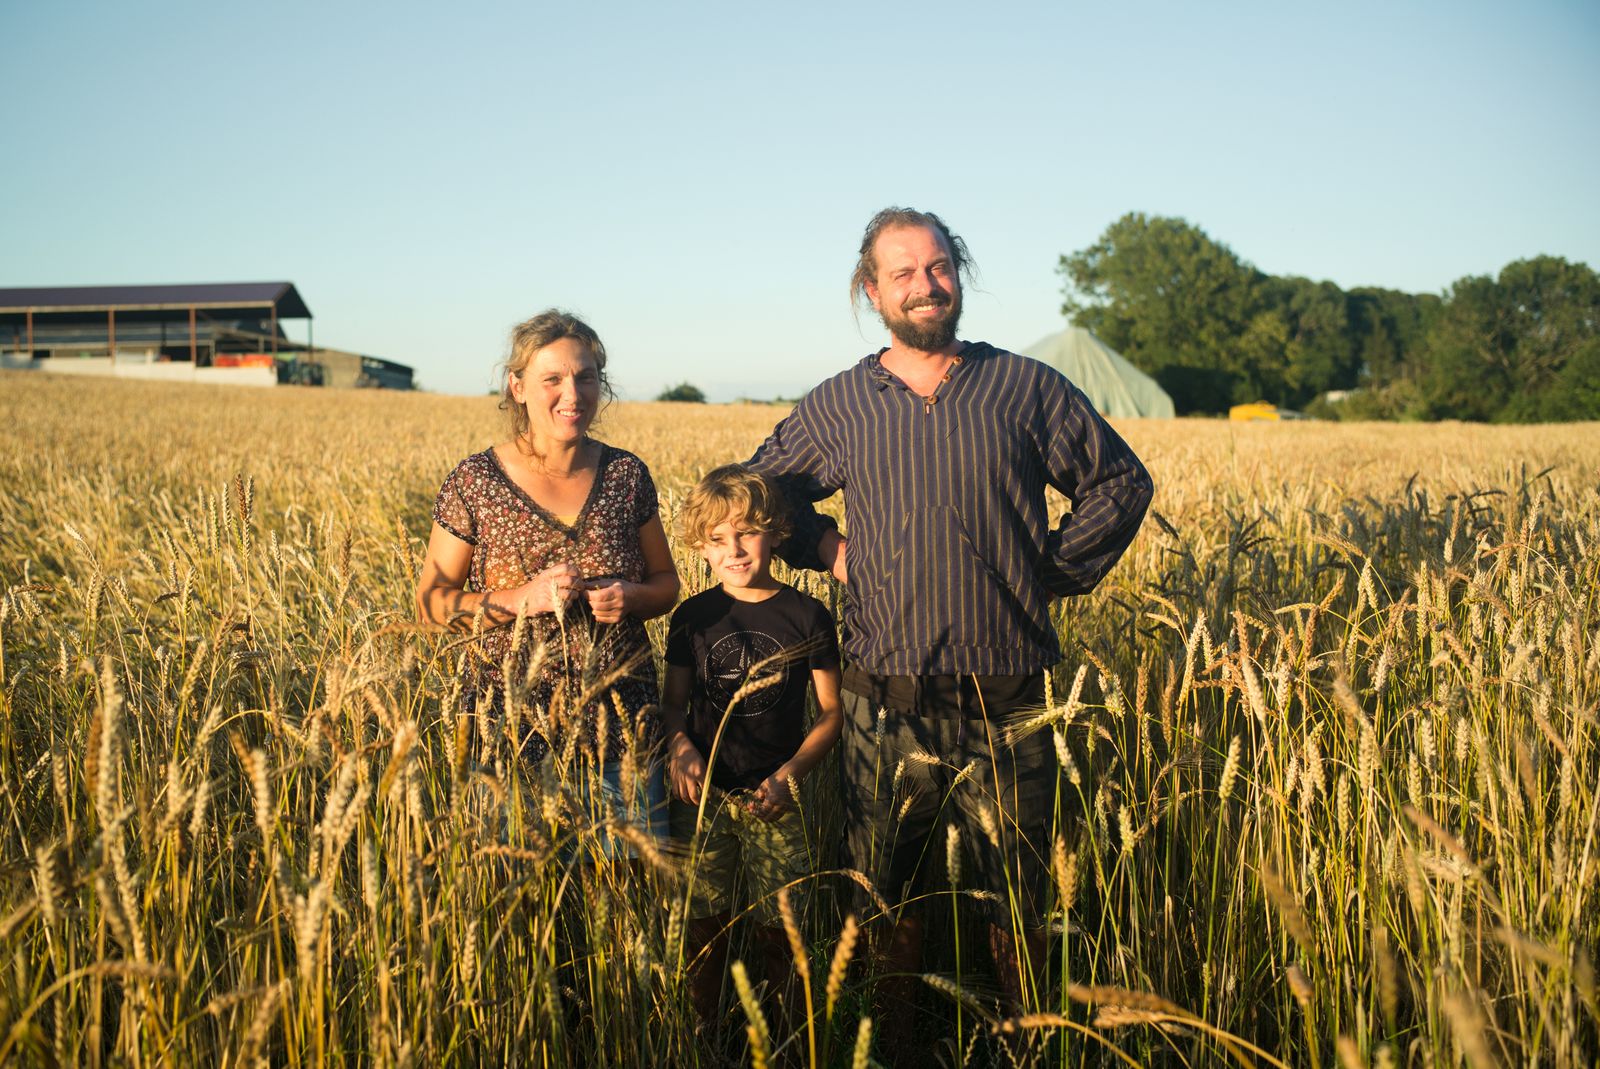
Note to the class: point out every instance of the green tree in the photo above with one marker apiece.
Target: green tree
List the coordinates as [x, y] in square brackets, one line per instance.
[1466, 360]
[1323, 350]
[1519, 347]
[1215, 331]
[682, 392]
[1389, 328]
[1257, 358]
[1174, 302]
[1575, 394]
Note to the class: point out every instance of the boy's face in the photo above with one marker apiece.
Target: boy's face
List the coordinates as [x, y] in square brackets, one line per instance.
[739, 556]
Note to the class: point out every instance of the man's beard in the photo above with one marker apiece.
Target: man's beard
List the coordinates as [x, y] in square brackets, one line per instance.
[929, 335]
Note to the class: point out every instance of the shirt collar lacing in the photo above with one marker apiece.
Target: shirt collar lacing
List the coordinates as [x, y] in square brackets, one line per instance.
[883, 378]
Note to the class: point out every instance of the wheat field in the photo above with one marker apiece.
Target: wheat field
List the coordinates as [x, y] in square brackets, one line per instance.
[1331, 725]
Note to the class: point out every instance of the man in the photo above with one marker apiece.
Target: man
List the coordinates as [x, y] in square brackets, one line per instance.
[943, 449]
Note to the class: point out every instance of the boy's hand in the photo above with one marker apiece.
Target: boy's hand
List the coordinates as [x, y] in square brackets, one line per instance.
[687, 770]
[775, 796]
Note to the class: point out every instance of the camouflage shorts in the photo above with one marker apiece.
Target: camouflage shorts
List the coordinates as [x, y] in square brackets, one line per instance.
[908, 776]
[739, 858]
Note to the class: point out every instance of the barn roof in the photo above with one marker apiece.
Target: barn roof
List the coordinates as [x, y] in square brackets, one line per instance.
[219, 300]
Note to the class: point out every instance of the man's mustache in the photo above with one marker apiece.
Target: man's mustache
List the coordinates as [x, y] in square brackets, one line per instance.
[925, 302]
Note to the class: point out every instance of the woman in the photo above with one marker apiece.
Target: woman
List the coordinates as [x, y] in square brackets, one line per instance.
[563, 529]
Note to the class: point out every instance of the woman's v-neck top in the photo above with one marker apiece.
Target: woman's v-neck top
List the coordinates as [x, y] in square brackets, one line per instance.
[513, 539]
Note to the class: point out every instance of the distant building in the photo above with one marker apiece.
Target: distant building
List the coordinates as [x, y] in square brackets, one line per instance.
[209, 332]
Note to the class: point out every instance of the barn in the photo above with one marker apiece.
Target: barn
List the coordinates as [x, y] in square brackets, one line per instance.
[205, 332]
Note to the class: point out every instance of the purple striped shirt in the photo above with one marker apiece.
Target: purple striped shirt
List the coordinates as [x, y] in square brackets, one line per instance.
[952, 562]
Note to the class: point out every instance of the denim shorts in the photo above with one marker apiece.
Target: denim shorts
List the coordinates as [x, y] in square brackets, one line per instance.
[645, 807]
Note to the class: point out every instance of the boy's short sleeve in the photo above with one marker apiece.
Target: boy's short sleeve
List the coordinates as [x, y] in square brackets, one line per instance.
[646, 505]
[679, 650]
[451, 510]
[825, 644]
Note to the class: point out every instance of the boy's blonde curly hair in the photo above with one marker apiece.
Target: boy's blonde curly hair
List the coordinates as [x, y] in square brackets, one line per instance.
[733, 492]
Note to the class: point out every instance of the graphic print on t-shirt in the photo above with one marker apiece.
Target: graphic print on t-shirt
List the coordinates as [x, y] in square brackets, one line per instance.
[731, 663]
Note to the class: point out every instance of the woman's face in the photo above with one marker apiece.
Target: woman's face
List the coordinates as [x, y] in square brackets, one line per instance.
[560, 388]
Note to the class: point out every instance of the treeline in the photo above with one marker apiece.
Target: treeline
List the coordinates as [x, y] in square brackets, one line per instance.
[1215, 331]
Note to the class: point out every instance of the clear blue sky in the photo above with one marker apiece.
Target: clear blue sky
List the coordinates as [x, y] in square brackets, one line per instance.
[694, 178]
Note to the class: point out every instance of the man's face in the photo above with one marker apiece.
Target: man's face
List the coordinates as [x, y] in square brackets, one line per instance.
[917, 293]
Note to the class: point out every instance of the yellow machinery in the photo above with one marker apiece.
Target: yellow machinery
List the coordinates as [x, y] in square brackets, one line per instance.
[1256, 410]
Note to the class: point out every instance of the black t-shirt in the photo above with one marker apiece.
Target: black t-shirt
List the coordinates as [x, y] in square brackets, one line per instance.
[725, 641]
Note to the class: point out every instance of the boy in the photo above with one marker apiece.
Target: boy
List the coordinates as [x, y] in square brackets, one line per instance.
[739, 657]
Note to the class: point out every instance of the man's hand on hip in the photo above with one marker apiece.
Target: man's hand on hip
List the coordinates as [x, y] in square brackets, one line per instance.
[831, 548]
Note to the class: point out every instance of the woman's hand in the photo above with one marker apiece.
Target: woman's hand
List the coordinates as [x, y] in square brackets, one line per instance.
[686, 770]
[548, 591]
[608, 598]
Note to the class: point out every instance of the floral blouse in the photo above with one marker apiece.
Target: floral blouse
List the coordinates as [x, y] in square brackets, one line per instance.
[574, 658]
